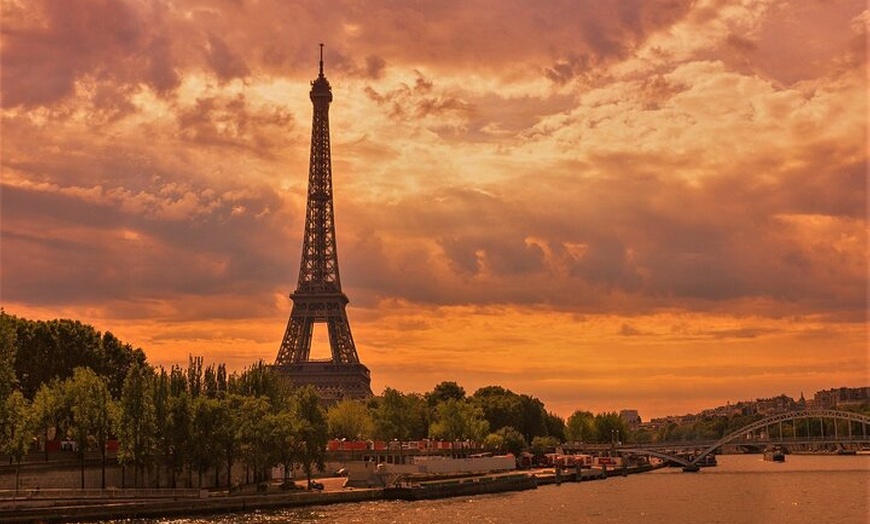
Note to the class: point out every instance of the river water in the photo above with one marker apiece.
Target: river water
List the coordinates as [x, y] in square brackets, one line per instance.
[742, 489]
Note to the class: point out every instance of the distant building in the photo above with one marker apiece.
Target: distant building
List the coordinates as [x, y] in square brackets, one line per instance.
[775, 405]
[839, 398]
[631, 417]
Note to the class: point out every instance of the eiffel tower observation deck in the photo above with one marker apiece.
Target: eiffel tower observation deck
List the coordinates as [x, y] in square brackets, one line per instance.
[318, 297]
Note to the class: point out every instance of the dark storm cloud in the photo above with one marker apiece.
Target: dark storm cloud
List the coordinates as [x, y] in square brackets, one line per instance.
[68, 247]
[102, 40]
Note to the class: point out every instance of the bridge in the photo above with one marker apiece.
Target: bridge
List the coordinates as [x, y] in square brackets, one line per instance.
[770, 431]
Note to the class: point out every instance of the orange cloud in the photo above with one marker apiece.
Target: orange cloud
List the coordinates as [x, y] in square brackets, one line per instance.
[607, 205]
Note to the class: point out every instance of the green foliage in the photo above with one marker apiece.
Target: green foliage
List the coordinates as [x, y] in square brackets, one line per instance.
[312, 431]
[542, 445]
[215, 380]
[8, 345]
[506, 440]
[399, 416]
[50, 410]
[204, 452]
[443, 392]
[580, 427]
[350, 419]
[45, 350]
[502, 407]
[87, 394]
[254, 445]
[178, 432]
[226, 434]
[16, 429]
[555, 425]
[287, 437]
[458, 420]
[115, 360]
[258, 380]
[136, 419]
[610, 427]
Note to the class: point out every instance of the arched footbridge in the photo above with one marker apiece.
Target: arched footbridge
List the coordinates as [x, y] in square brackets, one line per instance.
[836, 435]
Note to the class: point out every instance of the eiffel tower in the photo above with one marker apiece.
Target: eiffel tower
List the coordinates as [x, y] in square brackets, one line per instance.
[318, 297]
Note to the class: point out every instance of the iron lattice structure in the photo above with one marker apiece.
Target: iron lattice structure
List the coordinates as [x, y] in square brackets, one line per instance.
[318, 297]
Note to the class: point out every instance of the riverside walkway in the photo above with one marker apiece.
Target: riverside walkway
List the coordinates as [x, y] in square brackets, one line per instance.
[93, 504]
[69, 505]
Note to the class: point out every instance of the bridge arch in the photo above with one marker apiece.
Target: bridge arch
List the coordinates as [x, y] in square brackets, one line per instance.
[767, 421]
[783, 417]
[664, 456]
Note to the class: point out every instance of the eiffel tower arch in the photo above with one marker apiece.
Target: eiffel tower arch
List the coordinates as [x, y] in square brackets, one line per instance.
[318, 297]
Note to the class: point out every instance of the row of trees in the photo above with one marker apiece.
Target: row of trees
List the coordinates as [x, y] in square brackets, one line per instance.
[194, 420]
[496, 417]
[63, 379]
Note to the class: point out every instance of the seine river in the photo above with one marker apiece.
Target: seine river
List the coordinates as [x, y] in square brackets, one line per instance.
[742, 489]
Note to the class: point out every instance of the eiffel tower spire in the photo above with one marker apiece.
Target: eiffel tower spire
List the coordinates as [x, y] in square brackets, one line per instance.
[318, 297]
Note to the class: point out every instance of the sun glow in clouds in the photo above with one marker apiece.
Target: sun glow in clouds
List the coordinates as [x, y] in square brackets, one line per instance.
[655, 205]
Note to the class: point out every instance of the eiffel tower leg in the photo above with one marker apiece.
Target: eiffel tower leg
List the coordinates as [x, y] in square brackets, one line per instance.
[341, 340]
[296, 345]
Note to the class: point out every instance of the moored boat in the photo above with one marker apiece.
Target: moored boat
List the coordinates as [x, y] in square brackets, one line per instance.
[774, 455]
[462, 486]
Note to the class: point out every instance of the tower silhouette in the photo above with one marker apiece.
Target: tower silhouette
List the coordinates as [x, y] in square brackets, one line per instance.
[318, 297]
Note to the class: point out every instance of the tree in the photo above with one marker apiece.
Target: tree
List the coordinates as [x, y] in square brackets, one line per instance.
[258, 380]
[53, 349]
[45, 350]
[507, 440]
[502, 407]
[178, 428]
[400, 417]
[115, 361]
[8, 348]
[541, 445]
[555, 425]
[286, 439]
[16, 430]
[136, 419]
[50, 410]
[227, 433]
[161, 402]
[349, 419]
[214, 380]
[458, 420]
[533, 417]
[443, 392]
[205, 418]
[255, 447]
[610, 427]
[194, 376]
[580, 427]
[88, 396]
[313, 431]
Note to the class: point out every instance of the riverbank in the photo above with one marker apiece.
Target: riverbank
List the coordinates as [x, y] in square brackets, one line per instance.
[89, 505]
[45, 507]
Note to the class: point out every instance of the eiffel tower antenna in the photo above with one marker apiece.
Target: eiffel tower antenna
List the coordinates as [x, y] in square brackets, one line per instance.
[321, 61]
[318, 297]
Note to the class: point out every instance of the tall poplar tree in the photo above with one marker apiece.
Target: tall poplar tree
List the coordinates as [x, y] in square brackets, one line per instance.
[137, 422]
[16, 432]
[89, 400]
[313, 431]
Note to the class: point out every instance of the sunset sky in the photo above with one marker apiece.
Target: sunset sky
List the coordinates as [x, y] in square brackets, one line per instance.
[648, 204]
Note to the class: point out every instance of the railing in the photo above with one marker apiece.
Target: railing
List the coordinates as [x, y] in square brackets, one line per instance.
[110, 493]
